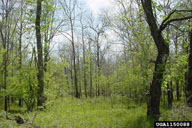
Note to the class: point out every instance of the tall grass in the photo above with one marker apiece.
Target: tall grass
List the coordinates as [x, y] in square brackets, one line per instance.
[91, 113]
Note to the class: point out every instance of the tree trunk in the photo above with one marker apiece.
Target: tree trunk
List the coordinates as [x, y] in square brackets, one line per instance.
[20, 52]
[46, 53]
[74, 61]
[5, 59]
[5, 80]
[75, 74]
[164, 95]
[169, 95]
[72, 80]
[5, 40]
[98, 67]
[153, 109]
[177, 90]
[40, 67]
[155, 88]
[186, 84]
[79, 73]
[84, 69]
[90, 72]
[189, 83]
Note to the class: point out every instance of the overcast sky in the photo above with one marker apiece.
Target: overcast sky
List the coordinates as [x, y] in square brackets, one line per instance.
[97, 5]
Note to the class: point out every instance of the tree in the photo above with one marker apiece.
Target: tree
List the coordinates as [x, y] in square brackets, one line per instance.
[69, 10]
[40, 65]
[84, 57]
[163, 53]
[20, 47]
[7, 32]
[49, 28]
[90, 71]
[98, 30]
[189, 83]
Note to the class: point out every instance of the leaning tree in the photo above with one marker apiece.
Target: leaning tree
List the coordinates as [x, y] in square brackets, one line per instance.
[153, 109]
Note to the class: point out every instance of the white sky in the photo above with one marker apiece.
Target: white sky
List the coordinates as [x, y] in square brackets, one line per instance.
[97, 5]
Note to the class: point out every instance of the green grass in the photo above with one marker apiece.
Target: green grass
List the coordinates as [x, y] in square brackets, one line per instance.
[88, 113]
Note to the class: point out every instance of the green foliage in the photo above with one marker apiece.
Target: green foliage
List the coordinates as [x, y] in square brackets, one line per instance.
[55, 79]
[30, 87]
[157, 6]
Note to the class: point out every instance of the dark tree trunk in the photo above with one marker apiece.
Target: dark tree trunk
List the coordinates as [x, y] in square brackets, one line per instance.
[164, 95]
[186, 84]
[46, 52]
[5, 41]
[98, 67]
[40, 67]
[71, 75]
[84, 70]
[177, 90]
[155, 88]
[90, 72]
[5, 59]
[5, 83]
[169, 95]
[171, 86]
[75, 75]
[20, 52]
[79, 73]
[75, 69]
[153, 109]
[84, 62]
[189, 83]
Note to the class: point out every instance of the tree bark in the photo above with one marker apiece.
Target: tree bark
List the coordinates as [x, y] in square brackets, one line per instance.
[74, 61]
[153, 109]
[98, 66]
[169, 95]
[5, 35]
[40, 67]
[71, 75]
[5, 78]
[177, 89]
[90, 72]
[84, 65]
[79, 72]
[177, 79]
[20, 52]
[189, 83]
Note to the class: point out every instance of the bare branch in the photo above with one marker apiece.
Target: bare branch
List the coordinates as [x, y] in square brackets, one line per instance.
[166, 21]
[170, 14]
[173, 20]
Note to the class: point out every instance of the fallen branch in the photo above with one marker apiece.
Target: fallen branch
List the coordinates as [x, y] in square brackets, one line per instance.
[18, 119]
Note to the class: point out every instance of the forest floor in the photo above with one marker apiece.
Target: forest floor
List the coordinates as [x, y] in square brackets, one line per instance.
[92, 113]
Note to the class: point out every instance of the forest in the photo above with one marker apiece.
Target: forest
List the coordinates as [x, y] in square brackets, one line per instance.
[95, 64]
